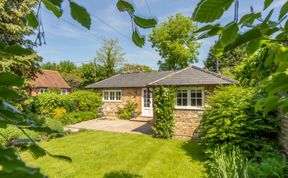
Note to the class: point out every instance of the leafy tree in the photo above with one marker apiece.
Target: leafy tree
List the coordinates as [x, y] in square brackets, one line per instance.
[49, 66]
[226, 63]
[136, 68]
[256, 31]
[175, 42]
[13, 26]
[110, 56]
[66, 66]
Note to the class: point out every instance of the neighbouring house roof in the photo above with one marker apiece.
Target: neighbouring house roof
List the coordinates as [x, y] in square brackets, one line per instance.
[49, 79]
[190, 76]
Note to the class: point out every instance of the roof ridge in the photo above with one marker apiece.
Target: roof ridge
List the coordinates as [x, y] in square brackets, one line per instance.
[102, 80]
[214, 73]
[170, 75]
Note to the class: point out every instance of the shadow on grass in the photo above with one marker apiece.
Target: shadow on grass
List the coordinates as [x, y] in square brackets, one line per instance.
[193, 150]
[121, 174]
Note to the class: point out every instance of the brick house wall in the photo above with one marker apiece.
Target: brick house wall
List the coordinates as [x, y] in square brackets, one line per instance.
[187, 122]
[110, 108]
[284, 134]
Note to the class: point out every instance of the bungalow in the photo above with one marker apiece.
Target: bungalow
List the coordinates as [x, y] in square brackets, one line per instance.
[48, 79]
[193, 84]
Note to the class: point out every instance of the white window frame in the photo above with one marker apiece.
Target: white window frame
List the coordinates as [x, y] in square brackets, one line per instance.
[189, 98]
[64, 93]
[42, 90]
[109, 99]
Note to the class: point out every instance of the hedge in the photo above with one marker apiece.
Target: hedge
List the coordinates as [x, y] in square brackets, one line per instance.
[75, 117]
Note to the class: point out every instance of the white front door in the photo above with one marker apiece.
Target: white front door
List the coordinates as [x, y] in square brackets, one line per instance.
[147, 108]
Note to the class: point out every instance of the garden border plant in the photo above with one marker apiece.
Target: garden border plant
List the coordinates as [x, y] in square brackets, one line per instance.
[164, 103]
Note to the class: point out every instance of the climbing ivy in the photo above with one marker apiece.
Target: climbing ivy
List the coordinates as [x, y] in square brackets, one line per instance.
[164, 101]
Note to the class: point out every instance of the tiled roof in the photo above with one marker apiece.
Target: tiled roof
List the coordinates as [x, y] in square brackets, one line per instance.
[190, 76]
[49, 79]
[130, 80]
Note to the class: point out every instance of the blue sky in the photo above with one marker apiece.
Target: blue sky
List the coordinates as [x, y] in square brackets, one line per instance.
[67, 40]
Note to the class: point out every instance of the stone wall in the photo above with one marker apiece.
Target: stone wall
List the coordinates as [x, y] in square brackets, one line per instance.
[110, 108]
[187, 121]
[284, 134]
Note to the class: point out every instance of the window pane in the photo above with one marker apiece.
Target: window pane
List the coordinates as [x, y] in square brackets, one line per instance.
[178, 102]
[199, 94]
[118, 95]
[112, 95]
[199, 102]
[105, 95]
[184, 102]
[193, 94]
[193, 102]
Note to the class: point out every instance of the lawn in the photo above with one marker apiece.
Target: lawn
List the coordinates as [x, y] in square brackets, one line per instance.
[105, 154]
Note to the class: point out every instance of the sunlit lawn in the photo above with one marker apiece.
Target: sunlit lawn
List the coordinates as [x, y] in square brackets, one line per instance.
[104, 154]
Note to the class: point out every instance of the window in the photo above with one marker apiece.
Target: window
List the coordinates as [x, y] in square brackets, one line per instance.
[112, 95]
[64, 91]
[190, 98]
[42, 90]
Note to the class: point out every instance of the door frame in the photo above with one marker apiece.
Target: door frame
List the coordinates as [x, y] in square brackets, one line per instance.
[150, 113]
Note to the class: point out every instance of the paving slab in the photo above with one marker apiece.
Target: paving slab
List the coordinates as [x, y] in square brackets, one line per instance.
[122, 126]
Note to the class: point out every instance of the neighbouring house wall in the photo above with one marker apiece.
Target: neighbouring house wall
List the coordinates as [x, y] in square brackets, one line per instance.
[110, 108]
[187, 121]
[34, 91]
[284, 134]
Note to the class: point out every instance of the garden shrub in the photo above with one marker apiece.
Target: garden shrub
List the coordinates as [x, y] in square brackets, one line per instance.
[127, 111]
[164, 102]
[85, 100]
[59, 113]
[45, 104]
[231, 120]
[267, 165]
[226, 163]
[75, 117]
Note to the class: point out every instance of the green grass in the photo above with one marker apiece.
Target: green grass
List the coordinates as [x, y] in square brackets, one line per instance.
[105, 154]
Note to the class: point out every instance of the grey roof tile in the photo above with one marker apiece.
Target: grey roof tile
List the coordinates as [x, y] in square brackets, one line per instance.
[189, 76]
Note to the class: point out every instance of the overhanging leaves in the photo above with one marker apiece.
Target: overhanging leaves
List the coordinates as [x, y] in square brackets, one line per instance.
[145, 23]
[123, 5]
[284, 10]
[7, 93]
[210, 10]
[53, 8]
[9, 79]
[138, 39]
[80, 14]
[267, 3]
[244, 38]
[207, 27]
[17, 50]
[32, 20]
[229, 34]
[249, 18]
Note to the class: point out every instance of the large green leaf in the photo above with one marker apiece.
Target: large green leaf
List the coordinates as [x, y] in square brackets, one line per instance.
[9, 79]
[253, 46]
[80, 14]
[123, 5]
[229, 34]
[217, 30]
[138, 39]
[32, 20]
[267, 3]
[244, 38]
[57, 11]
[17, 50]
[249, 18]
[284, 10]
[267, 104]
[207, 27]
[210, 10]
[145, 23]
[7, 93]
[57, 2]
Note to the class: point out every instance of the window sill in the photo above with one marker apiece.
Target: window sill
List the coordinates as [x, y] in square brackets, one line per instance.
[112, 101]
[190, 108]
